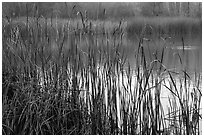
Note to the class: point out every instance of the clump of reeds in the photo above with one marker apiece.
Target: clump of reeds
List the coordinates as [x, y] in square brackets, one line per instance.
[52, 85]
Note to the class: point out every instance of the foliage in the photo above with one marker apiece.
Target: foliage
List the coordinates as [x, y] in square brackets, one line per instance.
[101, 10]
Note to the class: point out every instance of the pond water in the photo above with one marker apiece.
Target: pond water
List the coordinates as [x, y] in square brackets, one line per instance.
[178, 55]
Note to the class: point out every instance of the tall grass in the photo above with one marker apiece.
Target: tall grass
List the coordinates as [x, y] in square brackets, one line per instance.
[52, 85]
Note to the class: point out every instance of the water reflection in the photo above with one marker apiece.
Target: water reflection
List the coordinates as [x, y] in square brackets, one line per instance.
[178, 54]
[175, 56]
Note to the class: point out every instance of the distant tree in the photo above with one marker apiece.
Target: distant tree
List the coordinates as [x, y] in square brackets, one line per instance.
[147, 9]
[199, 13]
[98, 10]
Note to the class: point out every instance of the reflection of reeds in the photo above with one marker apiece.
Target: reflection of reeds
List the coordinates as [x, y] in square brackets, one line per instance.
[61, 89]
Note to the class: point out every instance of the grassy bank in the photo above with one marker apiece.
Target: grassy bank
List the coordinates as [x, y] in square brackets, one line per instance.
[151, 27]
[62, 89]
[169, 26]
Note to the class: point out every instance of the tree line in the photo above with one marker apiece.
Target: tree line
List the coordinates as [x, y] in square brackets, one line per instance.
[105, 10]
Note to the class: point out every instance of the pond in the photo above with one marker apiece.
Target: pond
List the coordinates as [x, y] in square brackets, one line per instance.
[176, 56]
[179, 53]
